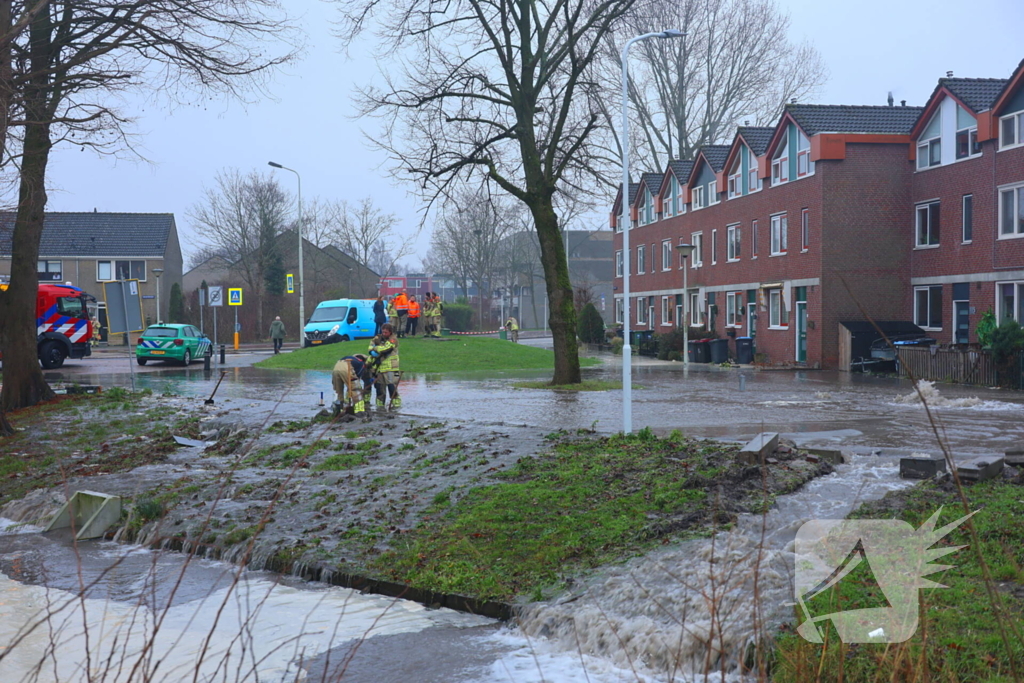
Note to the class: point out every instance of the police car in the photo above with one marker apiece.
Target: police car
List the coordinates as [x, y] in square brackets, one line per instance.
[172, 342]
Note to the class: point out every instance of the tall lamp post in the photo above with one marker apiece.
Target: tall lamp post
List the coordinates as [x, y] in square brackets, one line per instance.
[302, 279]
[158, 272]
[684, 251]
[627, 351]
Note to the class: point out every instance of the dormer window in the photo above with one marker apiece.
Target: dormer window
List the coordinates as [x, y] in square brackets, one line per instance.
[803, 156]
[680, 203]
[780, 161]
[966, 134]
[1011, 130]
[647, 210]
[698, 197]
[669, 203]
[712, 192]
[735, 178]
[929, 145]
[753, 181]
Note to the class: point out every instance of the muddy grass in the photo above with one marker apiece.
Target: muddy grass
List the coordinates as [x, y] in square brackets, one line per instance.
[494, 513]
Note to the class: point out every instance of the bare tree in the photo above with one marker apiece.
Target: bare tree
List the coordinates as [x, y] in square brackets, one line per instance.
[243, 216]
[500, 89]
[735, 64]
[367, 233]
[60, 79]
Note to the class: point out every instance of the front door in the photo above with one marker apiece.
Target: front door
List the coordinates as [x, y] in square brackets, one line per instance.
[752, 320]
[961, 322]
[801, 331]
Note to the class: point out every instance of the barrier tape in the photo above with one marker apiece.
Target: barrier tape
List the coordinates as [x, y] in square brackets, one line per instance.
[490, 332]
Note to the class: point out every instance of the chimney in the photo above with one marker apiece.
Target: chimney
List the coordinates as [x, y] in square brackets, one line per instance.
[903, 103]
[889, 99]
[949, 74]
[793, 101]
[746, 122]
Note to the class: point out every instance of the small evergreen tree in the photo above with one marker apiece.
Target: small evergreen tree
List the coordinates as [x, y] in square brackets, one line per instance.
[176, 305]
[591, 325]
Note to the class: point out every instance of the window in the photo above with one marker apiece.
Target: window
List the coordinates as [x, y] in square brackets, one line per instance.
[803, 156]
[1011, 130]
[805, 230]
[698, 197]
[968, 217]
[641, 310]
[733, 242]
[1011, 212]
[668, 202]
[618, 263]
[130, 270]
[927, 225]
[714, 247]
[777, 316]
[753, 239]
[967, 143]
[1009, 301]
[929, 146]
[735, 180]
[780, 226]
[680, 207]
[641, 259]
[104, 272]
[695, 309]
[712, 192]
[780, 162]
[49, 271]
[647, 209]
[928, 307]
[71, 306]
[666, 311]
[666, 255]
[753, 181]
[618, 310]
[697, 240]
[732, 304]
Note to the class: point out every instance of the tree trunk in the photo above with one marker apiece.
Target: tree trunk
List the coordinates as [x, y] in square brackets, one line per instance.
[23, 378]
[561, 312]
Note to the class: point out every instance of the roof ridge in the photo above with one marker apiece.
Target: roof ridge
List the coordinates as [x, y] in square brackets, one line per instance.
[855, 106]
[973, 79]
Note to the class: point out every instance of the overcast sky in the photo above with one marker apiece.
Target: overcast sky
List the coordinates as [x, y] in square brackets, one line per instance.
[869, 46]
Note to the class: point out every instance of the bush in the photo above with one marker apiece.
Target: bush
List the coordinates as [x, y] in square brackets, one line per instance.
[176, 307]
[672, 342]
[1007, 343]
[458, 317]
[617, 343]
[986, 326]
[591, 326]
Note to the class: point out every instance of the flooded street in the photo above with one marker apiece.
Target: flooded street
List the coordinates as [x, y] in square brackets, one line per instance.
[94, 606]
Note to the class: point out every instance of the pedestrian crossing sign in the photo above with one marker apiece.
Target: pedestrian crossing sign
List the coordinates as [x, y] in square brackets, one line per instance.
[290, 283]
[234, 296]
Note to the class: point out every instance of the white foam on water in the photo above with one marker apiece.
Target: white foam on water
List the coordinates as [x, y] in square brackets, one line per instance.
[9, 526]
[935, 399]
[261, 630]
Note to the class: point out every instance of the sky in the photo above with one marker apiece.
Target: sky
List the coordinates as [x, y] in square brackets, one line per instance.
[870, 47]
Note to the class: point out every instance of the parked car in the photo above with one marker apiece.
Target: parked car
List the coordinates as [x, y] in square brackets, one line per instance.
[172, 342]
[339, 320]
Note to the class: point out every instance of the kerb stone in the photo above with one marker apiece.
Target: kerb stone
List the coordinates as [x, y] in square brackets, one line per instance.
[980, 469]
[759, 448]
[921, 466]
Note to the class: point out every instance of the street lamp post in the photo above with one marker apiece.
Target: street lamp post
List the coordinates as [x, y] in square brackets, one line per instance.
[684, 251]
[158, 272]
[627, 351]
[302, 279]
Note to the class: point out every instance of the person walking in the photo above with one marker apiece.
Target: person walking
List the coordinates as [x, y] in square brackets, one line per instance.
[512, 326]
[277, 334]
[402, 306]
[383, 362]
[414, 316]
[379, 314]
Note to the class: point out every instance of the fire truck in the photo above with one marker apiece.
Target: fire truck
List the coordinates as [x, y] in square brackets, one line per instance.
[63, 325]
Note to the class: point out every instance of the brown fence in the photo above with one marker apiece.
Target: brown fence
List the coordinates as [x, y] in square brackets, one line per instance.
[948, 365]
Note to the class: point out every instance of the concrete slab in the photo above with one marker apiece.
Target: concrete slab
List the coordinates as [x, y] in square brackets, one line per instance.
[921, 466]
[830, 455]
[89, 513]
[1014, 456]
[759, 448]
[981, 469]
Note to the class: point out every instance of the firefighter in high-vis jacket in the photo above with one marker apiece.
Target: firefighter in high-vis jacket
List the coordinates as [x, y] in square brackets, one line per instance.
[383, 363]
[353, 383]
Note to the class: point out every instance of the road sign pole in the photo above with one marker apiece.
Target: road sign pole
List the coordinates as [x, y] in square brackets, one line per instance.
[128, 334]
[216, 339]
[236, 328]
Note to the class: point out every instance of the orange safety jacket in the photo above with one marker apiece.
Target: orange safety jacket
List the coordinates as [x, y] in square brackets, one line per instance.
[402, 302]
[414, 309]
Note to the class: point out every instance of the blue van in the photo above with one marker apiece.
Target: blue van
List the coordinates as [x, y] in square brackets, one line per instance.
[340, 320]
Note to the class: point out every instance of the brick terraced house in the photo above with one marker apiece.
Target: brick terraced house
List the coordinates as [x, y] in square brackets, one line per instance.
[905, 214]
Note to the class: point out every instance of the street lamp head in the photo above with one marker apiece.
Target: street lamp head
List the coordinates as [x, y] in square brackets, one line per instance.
[672, 33]
[274, 164]
[158, 271]
[685, 249]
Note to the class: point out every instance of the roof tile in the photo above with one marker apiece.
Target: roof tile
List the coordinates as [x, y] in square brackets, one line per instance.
[977, 93]
[844, 118]
[756, 137]
[89, 234]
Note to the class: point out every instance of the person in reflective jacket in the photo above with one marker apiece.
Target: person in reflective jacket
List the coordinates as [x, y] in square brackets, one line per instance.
[383, 363]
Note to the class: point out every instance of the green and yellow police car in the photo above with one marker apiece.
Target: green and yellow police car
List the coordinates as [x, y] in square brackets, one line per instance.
[173, 343]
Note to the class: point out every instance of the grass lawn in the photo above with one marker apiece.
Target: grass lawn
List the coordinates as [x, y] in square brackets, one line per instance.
[959, 637]
[448, 354]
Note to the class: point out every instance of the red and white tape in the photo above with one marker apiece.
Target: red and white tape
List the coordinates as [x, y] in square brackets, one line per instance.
[490, 332]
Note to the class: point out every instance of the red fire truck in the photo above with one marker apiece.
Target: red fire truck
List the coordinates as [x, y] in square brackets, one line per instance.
[63, 327]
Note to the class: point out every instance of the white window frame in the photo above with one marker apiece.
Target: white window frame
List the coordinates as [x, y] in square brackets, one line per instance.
[1016, 192]
[733, 243]
[805, 230]
[695, 317]
[964, 223]
[641, 310]
[1017, 126]
[619, 309]
[779, 234]
[973, 147]
[1018, 300]
[753, 239]
[753, 177]
[734, 182]
[110, 270]
[666, 201]
[666, 317]
[646, 214]
[930, 292]
[712, 192]
[803, 156]
[698, 197]
[714, 247]
[666, 255]
[923, 213]
[780, 162]
[145, 267]
[697, 258]
[732, 316]
[641, 259]
[618, 263]
[775, 310]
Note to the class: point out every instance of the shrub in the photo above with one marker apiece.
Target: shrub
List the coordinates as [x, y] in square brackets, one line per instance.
[1007, 343]
[672, 342]
[458, 317]
[617, 343]
[986, 326]
[176, 307]
[591, 326]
